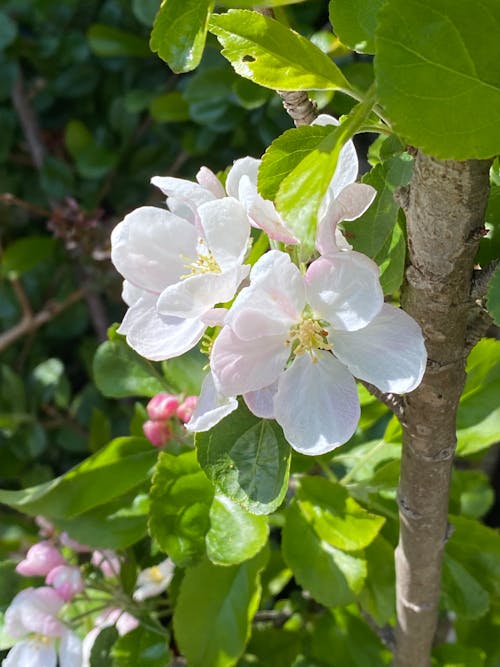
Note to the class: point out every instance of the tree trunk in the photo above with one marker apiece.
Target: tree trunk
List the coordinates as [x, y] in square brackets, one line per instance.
[445, 215]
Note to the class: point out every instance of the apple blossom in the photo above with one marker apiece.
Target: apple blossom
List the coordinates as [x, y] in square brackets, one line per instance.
[40, 560]
[154, 580]
[300, 339]
[66, 580]
[32, 618]
[176, 271]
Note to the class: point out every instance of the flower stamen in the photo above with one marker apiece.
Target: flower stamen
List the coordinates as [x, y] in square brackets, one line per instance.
[308, 335]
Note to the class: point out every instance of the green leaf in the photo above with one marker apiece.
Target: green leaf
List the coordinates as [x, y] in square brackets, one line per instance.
[471, 493]
[379, 592]
[214, 611]
[354, 21]
[8, 30]
[456, 655]
[391, 261]
[249, 4]
[493, 296]
[185, 374]
[145, 10]
[141, 647]
[477, 549]
[478, 417]
[371, 232]
[334, 516]
[107, 41]
[120, 466]
[356, 645]
[285, 153]
[10, 582]
[248, 459]
[23, 255]
[462, 593]
[235, 535]
[119, 372]
[116, 525]
[169, 108]
[302, 191]
[100, 653]
[180, 31]
[332, 576]
[272, 55]
[435, 57]
[181, 496]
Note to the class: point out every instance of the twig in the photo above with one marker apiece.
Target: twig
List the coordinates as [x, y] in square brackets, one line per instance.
[297, 104]
[30, 323]
[394, 402]
[385, 633]
[28, 122]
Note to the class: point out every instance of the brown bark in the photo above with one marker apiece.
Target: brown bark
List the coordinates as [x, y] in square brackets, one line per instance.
[445, 214]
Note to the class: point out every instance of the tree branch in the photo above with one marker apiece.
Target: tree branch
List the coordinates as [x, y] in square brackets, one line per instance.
[28, 121]
[394, 402]
[31, 322]
[445, 214]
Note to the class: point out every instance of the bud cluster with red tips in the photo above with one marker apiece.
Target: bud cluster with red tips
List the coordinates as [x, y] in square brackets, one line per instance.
[161, 409]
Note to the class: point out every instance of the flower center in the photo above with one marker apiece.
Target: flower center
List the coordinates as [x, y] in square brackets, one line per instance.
[205, 262]
[308, 335]
[155, 574]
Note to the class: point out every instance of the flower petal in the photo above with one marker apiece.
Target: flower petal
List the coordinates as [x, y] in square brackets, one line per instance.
[273, 301]
[351, 203]
[245, 166]
[389, 352]
[212, 406]
[150, 245]
[261, 402]
[317, 404]
[70, 651]
[347, 165]
[227, 230]
[209, 181]
[31, 653]
[194, 296]
[345, 290]
[192, 194]
[263, 213]
[240, 366]
[158, 337]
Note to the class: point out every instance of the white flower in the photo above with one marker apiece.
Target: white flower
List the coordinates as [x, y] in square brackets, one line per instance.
[292, 343]
[32, 618]
[154, 580]
[175, 271]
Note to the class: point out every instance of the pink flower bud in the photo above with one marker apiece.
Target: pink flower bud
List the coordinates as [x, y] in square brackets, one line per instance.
[162, 406]
[66, 580]
[40, 560]
[186, 408]
[107, 561]
[157, 432]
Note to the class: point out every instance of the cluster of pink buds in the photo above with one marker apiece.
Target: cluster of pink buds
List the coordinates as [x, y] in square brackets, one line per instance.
[161, 409]
[45, 560]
